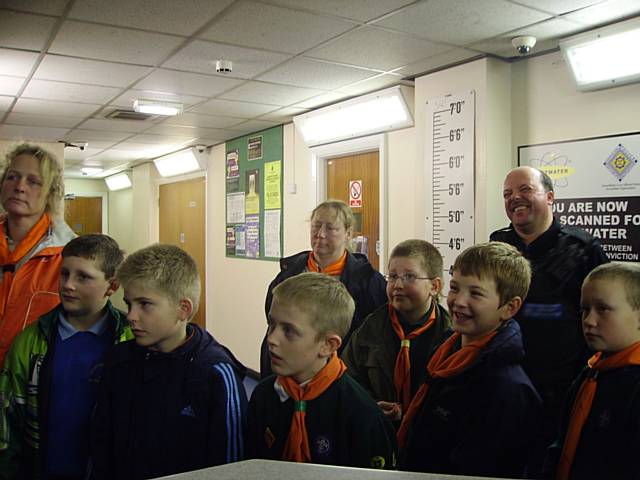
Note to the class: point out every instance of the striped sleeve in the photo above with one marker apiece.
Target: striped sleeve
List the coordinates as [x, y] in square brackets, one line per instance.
[235, 407]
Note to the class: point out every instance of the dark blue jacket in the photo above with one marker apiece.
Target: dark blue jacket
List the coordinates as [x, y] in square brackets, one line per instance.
[163, 413]
[480, 422]
[366, 285]
[610, 438]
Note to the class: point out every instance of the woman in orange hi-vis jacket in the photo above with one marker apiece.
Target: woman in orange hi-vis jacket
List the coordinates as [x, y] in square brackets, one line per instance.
[31, 239]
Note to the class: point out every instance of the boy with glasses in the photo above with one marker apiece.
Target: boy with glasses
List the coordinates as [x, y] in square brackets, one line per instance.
[388, 353]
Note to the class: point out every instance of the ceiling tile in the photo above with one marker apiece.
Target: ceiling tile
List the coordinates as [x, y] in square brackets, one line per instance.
[16, 62]
[557, 7]
[322, 100]
[67, 69]
[179, 130]
[126, 99]
[10, 85]
[74, 154]
[129, 126]
[251, 126]
[146, 150]
[56, 121]
[48, 7]
[181, 18]
[187, 83]
[313, 74]
[274, 94]
[50, 107]
[32, 133]
[374, 48]
[428, 64]
[361, 10]
[105, 136]
[21, 30]
[110, 43]
[284, 115]
[209, 141]
[197, 120]
[605, 12]
[201, 56]
[233, 109]
[5, 103]
[160, 139]
[463, 21]
[115, 158]
[69, 92]
[274, 28]
[381, 81]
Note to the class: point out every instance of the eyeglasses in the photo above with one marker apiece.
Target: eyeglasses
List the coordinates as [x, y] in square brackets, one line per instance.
[407, 278]
[329, 229]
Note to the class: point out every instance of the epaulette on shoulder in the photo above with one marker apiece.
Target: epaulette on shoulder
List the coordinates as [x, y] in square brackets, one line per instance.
[503, 231]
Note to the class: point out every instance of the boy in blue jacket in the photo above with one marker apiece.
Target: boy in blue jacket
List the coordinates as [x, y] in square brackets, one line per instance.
[477, 410]
[173, 400]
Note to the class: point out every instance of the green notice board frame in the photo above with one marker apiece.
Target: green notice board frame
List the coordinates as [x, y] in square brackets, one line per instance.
[253, 195]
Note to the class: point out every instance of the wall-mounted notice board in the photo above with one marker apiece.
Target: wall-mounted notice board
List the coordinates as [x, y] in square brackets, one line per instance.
[253, 191]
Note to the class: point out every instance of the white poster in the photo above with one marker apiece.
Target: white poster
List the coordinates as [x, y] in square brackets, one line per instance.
[235, 208]
[272, 233]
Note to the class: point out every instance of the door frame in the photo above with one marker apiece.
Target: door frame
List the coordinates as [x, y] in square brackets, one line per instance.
[105, 205]
[321, 154]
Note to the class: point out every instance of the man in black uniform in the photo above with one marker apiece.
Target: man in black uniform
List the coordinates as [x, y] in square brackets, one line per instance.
[550, 319]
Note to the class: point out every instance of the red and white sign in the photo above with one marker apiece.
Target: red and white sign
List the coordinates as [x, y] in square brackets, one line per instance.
[355, 193]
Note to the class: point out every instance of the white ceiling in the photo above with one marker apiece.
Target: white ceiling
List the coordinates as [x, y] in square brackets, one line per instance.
[65, 64]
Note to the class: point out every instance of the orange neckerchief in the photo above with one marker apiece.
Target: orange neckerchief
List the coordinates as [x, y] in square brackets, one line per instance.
[402, 371]
[584, 401]
[443, 364]
[297, 446]
[335, 269]
[8, 259]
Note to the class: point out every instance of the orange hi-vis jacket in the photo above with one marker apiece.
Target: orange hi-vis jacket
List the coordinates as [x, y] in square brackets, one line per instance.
[35, 285]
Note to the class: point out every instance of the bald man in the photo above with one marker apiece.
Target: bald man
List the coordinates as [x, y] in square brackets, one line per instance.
[550, 319]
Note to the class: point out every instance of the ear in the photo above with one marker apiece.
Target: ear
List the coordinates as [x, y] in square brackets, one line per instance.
[114, 285]
[550, 197]
[185, 309]
[436, 286]
[331, 344]
[509, 309]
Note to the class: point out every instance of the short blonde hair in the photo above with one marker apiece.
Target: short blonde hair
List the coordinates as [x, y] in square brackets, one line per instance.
[425, 253]
[341, 210]
[50, 171]
[627, 273]
[324, 298]
[500, 262]
[165, 268]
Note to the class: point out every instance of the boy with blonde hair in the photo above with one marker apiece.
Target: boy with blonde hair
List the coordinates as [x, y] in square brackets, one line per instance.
[48, 381]
[600, 431]
[477, 411]
[310, 411]
[173, 400]
[388, 353]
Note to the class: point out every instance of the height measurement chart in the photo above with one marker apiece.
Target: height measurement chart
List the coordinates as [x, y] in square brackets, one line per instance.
[450, 141]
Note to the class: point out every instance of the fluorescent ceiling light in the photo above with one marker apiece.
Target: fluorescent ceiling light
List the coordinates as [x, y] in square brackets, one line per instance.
[184, 161]
[157, 107]
[373, 113]
[605, 57]
[119, 181]
[91, 170]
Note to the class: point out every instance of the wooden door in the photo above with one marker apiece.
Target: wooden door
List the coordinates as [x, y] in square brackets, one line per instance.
[182, 223]
[83, 214]
[363, 167]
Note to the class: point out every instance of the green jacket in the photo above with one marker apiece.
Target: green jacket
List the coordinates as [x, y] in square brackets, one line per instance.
[25, 384]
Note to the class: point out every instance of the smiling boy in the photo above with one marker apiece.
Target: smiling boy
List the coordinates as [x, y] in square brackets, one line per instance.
[310, 411]
[50, 373]
[175, 394]
[477, 410]
[600, 432]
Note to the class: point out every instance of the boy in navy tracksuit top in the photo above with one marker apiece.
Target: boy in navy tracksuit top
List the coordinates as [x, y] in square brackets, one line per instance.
[173, 400]
[600, 432]
[477, 411]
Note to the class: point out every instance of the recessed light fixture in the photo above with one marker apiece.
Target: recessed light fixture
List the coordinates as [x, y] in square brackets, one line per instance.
[157, 107]
[183, 161]
[119, 181]
[88, 171]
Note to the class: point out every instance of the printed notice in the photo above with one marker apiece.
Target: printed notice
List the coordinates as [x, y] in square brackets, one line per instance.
[252, 238]
[233, 170]
[254, 148]
[272, 185]
[272, 233]
[252, 182]
[235, 207]
[240, 240]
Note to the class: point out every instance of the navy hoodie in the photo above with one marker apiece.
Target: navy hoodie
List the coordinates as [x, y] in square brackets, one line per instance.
[163, 413]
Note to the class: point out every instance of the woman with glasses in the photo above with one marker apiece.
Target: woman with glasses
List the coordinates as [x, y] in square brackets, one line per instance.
[388, 355]
[31, 239]
[330, 236]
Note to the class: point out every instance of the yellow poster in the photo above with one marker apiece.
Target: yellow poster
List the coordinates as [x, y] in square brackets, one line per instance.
[252, 200]
[272, 175]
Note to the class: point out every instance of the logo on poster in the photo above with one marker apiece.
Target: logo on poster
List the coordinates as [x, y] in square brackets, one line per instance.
[620, 162]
